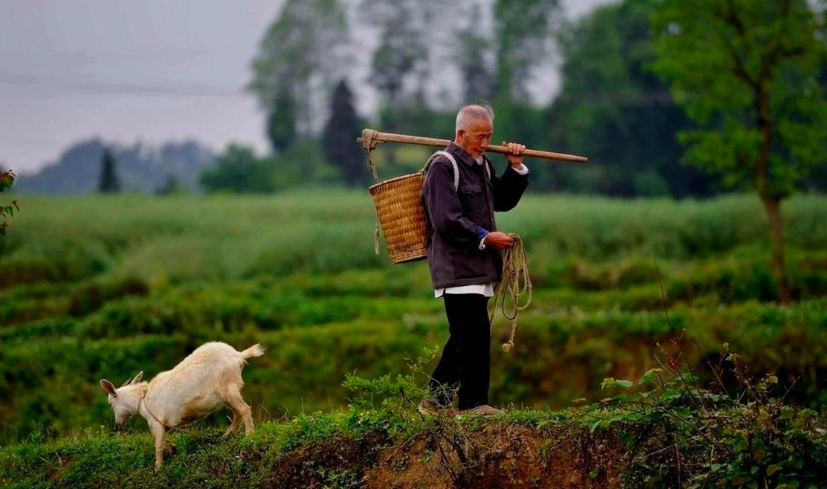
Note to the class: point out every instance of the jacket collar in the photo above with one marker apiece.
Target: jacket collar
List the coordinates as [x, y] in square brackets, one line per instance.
[465, 157]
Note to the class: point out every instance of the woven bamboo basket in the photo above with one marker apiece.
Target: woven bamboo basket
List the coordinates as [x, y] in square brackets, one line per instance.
[402, 216]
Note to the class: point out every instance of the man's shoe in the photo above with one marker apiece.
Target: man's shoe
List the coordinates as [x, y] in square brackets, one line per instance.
[430, 407]
[484, 410]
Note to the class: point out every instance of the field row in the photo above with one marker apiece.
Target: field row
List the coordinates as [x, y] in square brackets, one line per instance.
[52, 383]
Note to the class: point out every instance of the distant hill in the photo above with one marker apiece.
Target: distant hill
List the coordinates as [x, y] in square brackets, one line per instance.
[140, 167]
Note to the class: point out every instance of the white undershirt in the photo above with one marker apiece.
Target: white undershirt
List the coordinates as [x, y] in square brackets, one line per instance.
[486, 290]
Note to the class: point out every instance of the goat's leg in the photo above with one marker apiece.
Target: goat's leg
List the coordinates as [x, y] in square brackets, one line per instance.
[234, 424]
[240, 409]
[160, 444]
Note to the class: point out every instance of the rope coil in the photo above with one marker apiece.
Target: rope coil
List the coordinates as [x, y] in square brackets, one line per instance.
[515, 284]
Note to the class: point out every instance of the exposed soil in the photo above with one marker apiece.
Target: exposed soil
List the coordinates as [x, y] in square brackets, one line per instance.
[494, 456]
[510, 456]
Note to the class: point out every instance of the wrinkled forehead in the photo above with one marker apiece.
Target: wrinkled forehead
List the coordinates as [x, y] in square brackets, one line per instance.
[479, 125]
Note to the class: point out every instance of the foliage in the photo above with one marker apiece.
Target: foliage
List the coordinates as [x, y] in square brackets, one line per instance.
[172, 186]
[668, 432]
[281, 121]
[300, 58]
[90, 291]
[6, 182]
[614, 110]
[108, 182]
[746, 71]
[523, 31]
[472, 56]
[400, 48]
[745, 437]
[239, 170]
[340, 132]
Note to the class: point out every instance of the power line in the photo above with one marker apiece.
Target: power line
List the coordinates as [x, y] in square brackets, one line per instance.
[114, 88]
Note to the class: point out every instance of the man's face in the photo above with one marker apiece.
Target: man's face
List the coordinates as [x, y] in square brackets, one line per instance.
[476, 137]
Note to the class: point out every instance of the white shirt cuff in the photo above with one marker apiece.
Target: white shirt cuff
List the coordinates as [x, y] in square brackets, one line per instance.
[522, 170]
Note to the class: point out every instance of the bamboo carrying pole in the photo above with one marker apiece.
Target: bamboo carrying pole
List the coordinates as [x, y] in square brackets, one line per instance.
[370, 138]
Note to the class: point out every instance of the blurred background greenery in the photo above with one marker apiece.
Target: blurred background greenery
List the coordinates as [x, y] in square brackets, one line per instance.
[699, 118]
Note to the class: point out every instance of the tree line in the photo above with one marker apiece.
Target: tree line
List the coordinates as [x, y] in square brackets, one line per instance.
[618, 102]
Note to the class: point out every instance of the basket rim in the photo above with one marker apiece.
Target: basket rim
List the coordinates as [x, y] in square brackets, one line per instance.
[395, 179]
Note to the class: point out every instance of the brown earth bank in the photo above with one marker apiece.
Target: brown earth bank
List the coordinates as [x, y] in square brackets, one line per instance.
[493, 456]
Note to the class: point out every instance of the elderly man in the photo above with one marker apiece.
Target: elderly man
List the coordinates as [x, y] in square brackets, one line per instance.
[460, 194]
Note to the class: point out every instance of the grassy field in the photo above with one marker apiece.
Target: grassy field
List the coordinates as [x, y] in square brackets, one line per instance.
[97, 287]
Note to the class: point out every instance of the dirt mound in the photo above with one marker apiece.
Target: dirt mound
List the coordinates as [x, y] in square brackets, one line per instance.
[510, 456]
[493, 456]
[339, 461]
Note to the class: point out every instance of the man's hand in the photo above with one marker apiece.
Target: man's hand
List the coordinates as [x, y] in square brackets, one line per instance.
[498, 240]
[515, 157]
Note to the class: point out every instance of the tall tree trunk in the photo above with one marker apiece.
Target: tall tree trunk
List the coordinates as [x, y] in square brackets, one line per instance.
[772, 203]
[779, 269]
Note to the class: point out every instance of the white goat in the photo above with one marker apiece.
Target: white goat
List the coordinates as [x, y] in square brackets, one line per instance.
[208, 379]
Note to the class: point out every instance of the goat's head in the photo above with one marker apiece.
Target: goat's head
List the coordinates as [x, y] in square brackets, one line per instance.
[125, 399]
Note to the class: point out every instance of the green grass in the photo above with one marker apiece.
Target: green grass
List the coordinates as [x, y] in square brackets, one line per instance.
[343, 448]
[95, 287]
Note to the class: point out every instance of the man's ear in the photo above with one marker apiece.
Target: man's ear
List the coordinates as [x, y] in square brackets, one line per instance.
[109, 387]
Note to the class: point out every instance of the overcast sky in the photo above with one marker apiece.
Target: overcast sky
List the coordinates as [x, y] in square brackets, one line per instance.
[126, 70]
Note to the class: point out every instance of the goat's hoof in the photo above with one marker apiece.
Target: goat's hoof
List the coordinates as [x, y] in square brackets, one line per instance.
[170, 448]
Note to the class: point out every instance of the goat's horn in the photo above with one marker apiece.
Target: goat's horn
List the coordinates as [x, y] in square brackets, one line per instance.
[128, 381]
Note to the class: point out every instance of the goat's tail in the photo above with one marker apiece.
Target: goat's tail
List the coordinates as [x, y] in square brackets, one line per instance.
[254, 351]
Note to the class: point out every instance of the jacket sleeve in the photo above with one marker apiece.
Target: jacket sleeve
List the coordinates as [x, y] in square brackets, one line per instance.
[443, 206]
[508, 189]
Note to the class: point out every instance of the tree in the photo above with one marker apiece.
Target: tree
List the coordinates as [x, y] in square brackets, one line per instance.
[281, 122]
[408, 64]
[108, 182]
[746, 72]
[6, 181]
[612, 108]
[238, 170]
[300, 58]
[472, 57]
[339, 136]
[172, 186]
[399, 48]
[523, 36]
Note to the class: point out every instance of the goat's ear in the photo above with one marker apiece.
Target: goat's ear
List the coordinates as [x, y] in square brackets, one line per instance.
[109, 387]
[137, 378]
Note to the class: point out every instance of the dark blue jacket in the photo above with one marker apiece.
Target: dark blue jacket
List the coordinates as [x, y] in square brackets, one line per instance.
[454, 217]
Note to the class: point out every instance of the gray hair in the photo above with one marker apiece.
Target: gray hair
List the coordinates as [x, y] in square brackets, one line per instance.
[473, 112]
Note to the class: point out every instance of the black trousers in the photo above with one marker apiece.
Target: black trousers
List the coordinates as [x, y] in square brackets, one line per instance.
[466, 357]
